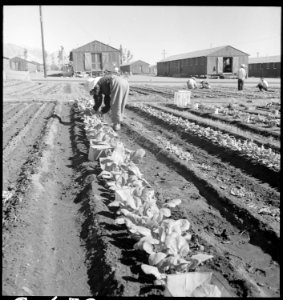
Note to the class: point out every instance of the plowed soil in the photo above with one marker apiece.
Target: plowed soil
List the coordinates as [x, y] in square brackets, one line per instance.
[59, 235]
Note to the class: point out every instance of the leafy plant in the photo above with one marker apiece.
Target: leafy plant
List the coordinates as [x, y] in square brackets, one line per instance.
[165, 240]
[264, 156]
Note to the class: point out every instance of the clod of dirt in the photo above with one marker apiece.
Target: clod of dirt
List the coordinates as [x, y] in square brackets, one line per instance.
[195, 196]
[224, 235]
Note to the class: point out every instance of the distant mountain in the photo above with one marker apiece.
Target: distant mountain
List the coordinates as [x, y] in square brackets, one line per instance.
[33, 54]
[12, 50]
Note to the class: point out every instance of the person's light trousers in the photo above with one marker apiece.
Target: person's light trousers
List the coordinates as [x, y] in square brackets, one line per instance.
[119, 97]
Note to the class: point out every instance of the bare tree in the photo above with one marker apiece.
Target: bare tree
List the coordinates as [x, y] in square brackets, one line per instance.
[61, 56]
[126, 55]
[71, 56]
[53, 63]
[25, 54]
[52, 59]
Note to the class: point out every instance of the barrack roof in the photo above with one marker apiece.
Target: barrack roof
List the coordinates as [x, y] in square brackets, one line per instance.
[199, 53]
[265, 59]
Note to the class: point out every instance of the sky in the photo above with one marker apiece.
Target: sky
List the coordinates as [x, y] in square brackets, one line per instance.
[149, 32]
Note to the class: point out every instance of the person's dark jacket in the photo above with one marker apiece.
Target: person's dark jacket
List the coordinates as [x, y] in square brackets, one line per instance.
[102, 89]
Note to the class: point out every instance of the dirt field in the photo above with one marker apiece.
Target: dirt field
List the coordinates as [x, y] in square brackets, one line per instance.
[59, 235]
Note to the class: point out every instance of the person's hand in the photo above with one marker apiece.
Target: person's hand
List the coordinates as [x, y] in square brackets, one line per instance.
[98, 114]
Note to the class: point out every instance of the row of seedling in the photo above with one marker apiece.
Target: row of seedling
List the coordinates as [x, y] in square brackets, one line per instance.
[173, 258]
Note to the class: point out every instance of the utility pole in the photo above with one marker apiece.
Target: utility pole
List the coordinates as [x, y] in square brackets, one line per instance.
[163, 53]
[42, 40]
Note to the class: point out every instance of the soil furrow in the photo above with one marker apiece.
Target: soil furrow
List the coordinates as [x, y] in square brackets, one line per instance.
[104, 256]
[18, 86]
[196, 210]
[19, 186]
[25, 90]
[15, 116]
[262, 233]
[11, 83]
[252, 168]
[133, 282]
[221, 174]
[52, 262]
[51, 89]
[60, 235]
[211, 93]
[18, 125]
[39, 89]
[12, 111]
[23, 141]
[7, 108]
[248, 127]
[259, 140]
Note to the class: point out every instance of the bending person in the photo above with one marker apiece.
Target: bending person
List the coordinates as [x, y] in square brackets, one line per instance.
[115, 91]
[192, 83]
[263, 84]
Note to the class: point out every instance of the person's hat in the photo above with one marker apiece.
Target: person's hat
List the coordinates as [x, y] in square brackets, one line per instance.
[94, 81]
[91, 83]
[243, 65]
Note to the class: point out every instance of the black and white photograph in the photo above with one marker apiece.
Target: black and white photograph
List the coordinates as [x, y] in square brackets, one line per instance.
[141, 151]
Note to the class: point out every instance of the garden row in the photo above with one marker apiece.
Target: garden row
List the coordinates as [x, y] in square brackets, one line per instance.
[246, 121]
[241, 199]
[223, 125]
[209, 93]
[165, 240]
[23, 131]
[267, 158]
[242, 217]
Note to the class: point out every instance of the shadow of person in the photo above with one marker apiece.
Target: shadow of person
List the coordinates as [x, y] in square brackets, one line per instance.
[59, 118]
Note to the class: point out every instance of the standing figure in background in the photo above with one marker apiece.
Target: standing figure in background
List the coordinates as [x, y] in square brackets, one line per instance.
[263, 84]
[242, 75]
[192, 84]
[116, 70]
[115, 91]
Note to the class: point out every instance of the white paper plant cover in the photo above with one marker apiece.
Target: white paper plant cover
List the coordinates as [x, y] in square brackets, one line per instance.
[184, 285]
[201, 257]
[124, 195]
[207, 290]
[118, 154]
[95, 151]
[137, 156]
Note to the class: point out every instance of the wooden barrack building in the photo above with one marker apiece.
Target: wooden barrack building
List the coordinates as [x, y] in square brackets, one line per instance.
[6, 63]
[135, 67]
[268, 66]
[94, 57]
[219, 61]
[21, 64]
